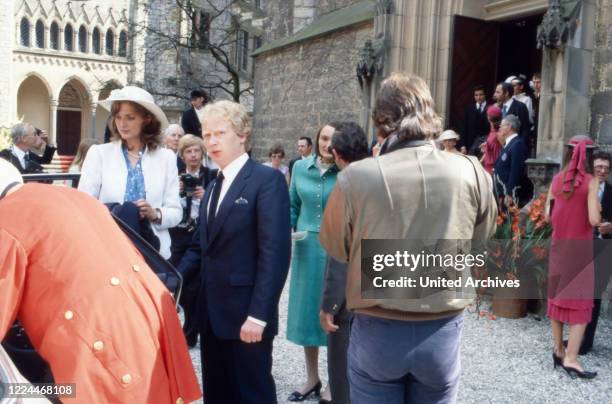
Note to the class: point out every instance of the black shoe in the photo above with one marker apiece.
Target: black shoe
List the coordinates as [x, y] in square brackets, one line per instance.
[325, 401]
[575, 373]
[581, 351]
[557, 361]
[297, 396]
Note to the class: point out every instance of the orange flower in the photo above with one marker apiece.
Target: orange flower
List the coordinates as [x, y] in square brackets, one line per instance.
[539, 252]
[534, 216]
[500, 219]
[515, 227]
[537, 203]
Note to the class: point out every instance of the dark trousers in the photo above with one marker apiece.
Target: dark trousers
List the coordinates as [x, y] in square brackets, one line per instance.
[603, 267]
[337, 347]
[236, 372]
[181, 239]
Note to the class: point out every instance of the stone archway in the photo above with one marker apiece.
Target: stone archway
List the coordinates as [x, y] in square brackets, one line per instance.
[33, 102]
[72, 117]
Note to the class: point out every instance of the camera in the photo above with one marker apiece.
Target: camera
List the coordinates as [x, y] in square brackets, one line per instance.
[189, 184]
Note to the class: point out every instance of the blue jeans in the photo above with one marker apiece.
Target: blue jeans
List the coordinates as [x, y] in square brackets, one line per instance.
[398, 362]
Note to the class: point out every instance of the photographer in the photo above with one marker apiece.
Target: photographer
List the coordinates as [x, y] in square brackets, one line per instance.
[193, 180]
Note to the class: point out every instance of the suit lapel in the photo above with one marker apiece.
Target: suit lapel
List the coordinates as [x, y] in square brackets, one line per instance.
[203, 216]
[229, 199]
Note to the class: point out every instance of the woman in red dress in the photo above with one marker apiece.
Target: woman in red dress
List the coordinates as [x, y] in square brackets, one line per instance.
[570, 277]
[492, 147]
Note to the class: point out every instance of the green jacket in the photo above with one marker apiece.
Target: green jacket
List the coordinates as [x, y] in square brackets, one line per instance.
[309, 192]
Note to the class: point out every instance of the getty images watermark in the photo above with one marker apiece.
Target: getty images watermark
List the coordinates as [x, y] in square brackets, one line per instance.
[463, 269]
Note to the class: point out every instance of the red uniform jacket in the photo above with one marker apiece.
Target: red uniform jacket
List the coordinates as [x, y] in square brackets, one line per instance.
[91, 306]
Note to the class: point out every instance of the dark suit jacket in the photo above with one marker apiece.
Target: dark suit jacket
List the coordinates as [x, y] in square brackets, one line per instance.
[510, 170]
[35, 163]
[191, 123]
[333, 297]
[520, 110]
[244, 261]
[606, 209]
[291, 163]
[475, 125]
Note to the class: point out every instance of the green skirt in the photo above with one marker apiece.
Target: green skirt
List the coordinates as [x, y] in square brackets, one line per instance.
[305, 288]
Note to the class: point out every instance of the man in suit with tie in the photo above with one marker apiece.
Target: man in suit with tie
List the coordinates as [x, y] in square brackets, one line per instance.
[475, 123]
[26, 138]
[242, 248]
[304, 148]
[510, 171]
[190, 121]
[510, 106]
[602, 245]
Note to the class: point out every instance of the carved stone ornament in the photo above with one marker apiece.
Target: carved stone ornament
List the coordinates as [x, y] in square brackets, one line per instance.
[371, 63]
[557, 24]
[384, 7]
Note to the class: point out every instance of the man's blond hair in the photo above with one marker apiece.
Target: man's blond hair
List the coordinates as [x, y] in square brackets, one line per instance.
[233, 113]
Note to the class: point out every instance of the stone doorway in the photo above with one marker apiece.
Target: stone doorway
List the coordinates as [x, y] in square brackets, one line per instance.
[487, 52]
[72, 117]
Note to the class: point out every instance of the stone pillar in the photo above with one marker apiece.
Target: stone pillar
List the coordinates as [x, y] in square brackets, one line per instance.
[566, 78]
[420, 41]
[53, 120]
[601, 103]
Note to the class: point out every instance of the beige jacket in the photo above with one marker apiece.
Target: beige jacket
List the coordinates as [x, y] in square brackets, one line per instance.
[411, 193]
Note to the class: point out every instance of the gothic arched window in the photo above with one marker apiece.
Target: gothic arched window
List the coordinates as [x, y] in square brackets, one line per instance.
[82, 39]
[24, 30]
[54, 36]
[68, 41]
[110, 42]
[95, 39]
[40, 34]
[123, 44]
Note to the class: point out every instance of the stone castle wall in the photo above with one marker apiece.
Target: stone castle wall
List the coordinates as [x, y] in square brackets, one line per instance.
[302, 86]
[601, 102]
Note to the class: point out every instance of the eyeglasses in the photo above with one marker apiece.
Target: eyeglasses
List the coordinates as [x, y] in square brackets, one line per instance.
[603, 168]
[276, 156]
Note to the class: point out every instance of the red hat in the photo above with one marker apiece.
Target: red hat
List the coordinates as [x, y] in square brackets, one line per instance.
[494, 111]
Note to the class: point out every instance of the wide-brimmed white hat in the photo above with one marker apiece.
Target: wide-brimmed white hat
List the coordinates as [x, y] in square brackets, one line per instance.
[448, 135]
[139, 96]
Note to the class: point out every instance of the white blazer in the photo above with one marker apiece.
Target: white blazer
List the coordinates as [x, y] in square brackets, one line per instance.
[104, 176]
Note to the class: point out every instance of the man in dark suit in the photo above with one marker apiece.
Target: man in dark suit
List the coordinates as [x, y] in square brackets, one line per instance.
[475, 123]
[510, 171]
[510, 106]
[190, 121]
[26, 138]
[348, 144]
[242, 248]
[602, 246]
[304, 148]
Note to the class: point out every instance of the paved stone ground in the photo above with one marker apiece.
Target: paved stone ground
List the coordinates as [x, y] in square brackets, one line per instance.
[503, 361]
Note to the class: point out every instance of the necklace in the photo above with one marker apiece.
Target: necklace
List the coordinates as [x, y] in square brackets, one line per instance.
[135, 155]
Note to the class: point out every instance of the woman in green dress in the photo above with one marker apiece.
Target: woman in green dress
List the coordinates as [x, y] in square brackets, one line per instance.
[312, 181]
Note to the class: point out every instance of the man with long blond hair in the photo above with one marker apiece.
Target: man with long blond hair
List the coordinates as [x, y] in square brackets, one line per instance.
[405, 349]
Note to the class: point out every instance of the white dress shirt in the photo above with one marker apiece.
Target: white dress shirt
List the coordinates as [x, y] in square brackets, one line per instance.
[20, 154]
[230, 172]
[512, 136]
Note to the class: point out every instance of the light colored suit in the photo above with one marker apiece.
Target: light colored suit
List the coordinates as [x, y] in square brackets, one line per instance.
[104, 176]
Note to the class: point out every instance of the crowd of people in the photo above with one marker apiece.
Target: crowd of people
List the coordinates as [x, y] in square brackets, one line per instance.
[227, 222]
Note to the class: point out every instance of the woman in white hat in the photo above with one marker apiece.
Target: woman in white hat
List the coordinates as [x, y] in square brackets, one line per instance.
[449, 139]
[134, 167]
